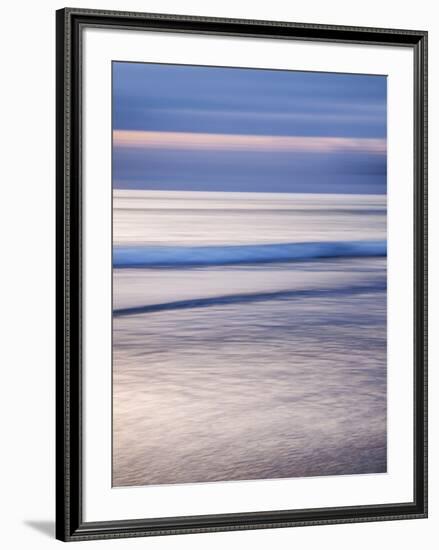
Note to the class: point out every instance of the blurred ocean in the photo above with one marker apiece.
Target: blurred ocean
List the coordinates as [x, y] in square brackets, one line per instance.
[249, 336]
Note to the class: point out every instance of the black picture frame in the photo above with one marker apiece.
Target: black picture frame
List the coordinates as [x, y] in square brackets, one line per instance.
[69, 517]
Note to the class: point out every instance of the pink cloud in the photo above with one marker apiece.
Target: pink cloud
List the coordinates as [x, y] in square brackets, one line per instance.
[231, 142]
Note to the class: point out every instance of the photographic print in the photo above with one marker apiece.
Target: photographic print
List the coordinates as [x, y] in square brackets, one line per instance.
[241, 274]
[249, 274]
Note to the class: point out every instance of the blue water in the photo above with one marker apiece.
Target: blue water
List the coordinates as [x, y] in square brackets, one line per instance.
[174, 256]
[249, 337]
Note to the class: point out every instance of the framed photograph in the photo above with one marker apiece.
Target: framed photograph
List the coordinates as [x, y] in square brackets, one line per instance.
[241, 274]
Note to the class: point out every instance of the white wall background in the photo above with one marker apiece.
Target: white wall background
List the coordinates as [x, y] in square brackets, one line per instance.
[27, 276]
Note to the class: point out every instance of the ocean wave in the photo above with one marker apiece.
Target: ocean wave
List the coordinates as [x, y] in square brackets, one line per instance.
[187, 256]
[225, 300]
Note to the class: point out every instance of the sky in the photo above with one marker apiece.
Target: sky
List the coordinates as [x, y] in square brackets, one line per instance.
[182, 127]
